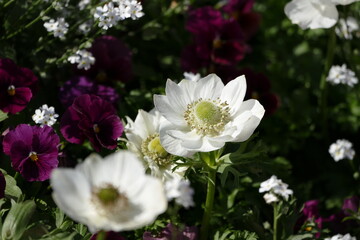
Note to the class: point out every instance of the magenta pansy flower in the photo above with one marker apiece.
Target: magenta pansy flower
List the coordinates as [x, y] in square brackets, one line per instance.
[80, 85]
[91, 117]
[17, 86]
[172, 232]
[33, 151]
[113, 60]
[241, 10]
[216, 40]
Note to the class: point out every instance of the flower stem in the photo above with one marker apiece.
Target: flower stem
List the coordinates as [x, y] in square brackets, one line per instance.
[29, 24]
[101, 235]
[275, 224]
[323, 85]
[208, 204]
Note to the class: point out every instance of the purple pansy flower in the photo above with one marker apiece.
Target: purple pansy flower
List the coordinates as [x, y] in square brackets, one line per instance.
[109, 236]
[33, 151]
[171, 232]
[112, 60]
[94, 118]
[241, 10]
[17, 86]
[216, 40]
[80, 85]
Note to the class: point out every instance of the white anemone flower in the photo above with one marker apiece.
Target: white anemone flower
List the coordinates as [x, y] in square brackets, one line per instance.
[314, 14]
[110, 194]
[143, 139]
[205, 114]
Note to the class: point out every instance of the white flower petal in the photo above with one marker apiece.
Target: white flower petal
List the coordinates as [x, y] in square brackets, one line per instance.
[312, 14]
[343, 2]
[252, 113]
[168, 111]
[234, 93]
[209, 87]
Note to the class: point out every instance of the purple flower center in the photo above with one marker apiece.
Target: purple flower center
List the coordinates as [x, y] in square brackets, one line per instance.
[11, 90]
[33, 156]
[96, 128]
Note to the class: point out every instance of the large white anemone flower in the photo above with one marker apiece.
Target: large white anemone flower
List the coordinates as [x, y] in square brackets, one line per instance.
[314, 14]
[202, 115]
[109, 194]
[143, 139]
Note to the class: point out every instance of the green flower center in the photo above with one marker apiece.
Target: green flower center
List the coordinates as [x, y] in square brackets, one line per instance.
[108, 195]
[207, 112]
[152, 148]
[108, 200]
[207, 117]
[156, 147]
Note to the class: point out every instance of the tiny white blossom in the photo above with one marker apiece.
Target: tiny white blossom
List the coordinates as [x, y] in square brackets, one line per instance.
[110, 13]
[269, 184]
[83, 58]
[274, 189]
[180, 190]
[59, 27]
[45, 116]
[270, 198]
[341, 149]
[347, 27]
[85, 27]
[340, 74]
[83, 3]
[191, 76]
[341, 237]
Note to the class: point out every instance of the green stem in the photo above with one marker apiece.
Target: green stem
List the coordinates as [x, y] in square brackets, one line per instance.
[101, 235]
[30, 23]
[275, 224]
[323, 85]
[204, 232]
[8, 3]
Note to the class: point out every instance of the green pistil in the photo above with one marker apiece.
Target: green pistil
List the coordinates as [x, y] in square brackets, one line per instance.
[156, 147]
[208, 112]
[108, 195]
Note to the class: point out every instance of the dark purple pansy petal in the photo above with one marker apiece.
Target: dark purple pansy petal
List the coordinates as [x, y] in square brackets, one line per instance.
[80, 85]
[69, 126]
[111, 129]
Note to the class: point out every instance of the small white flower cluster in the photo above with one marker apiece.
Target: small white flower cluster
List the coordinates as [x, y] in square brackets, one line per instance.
[341, 237]
[83, 58]
[341, 149]
[274, 188]
[191, 76]
[340, 74]
[83, 4]
[346, 28]
[59, 27]
[45, 116]
[180, 190]
[117, 10]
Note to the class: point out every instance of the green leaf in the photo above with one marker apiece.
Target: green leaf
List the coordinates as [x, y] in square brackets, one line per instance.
[11, 189]
[62, 236]
[300, 237]
[17, 219]
[3, 116]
